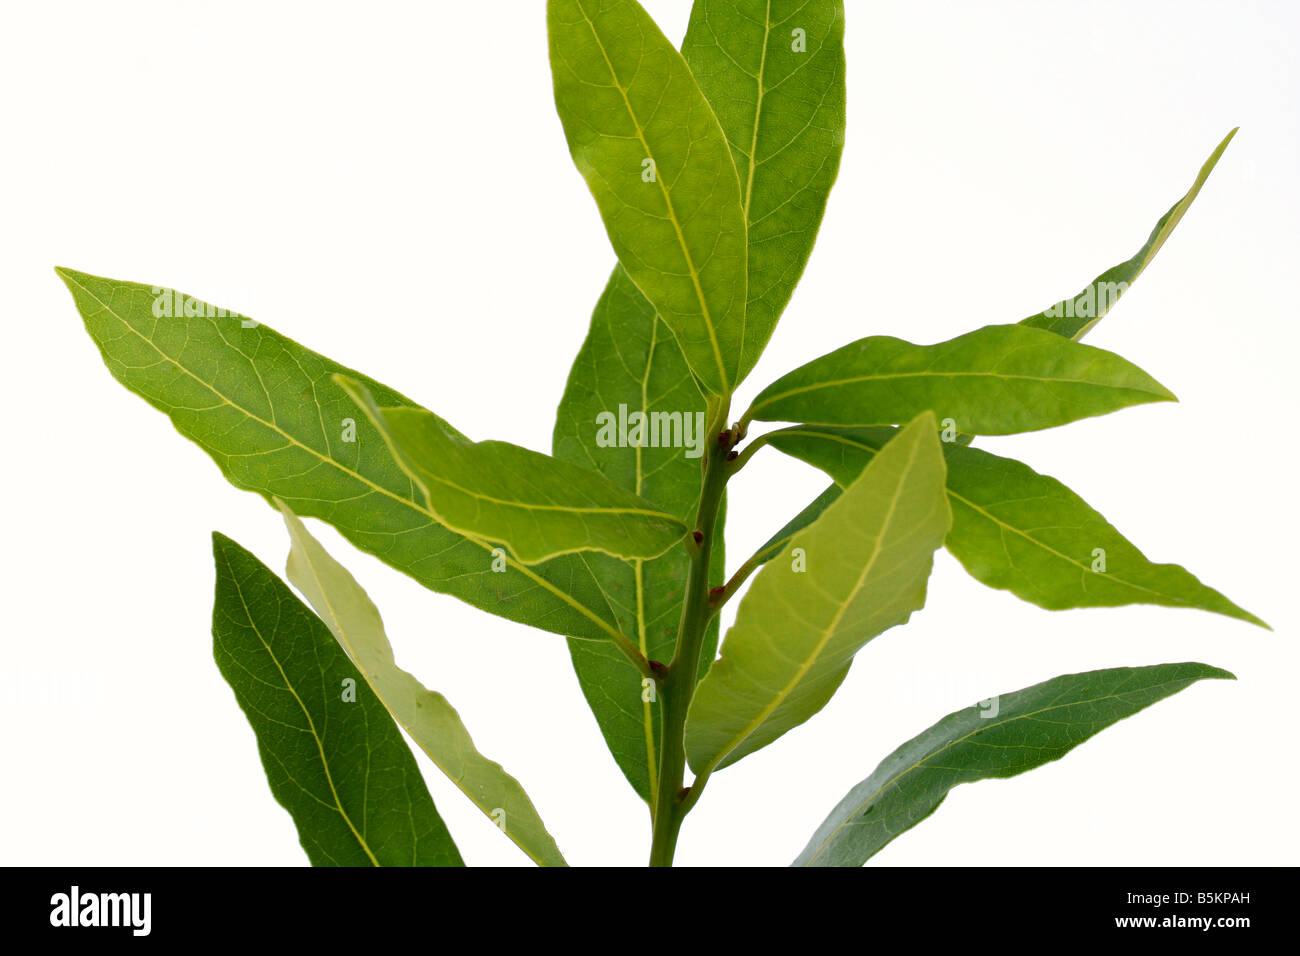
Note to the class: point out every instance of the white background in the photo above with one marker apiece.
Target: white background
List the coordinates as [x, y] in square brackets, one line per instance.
[388, 184]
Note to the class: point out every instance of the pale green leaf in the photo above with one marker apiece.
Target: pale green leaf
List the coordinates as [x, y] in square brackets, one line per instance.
[999, 737]
[426, 715]
[773, 71]
[660, 169]
[270, 414]
[338, 765]
[630, 365]
[996, 380]
[537, 506]
[1026, 533]
[1072, 318]
[856, 571]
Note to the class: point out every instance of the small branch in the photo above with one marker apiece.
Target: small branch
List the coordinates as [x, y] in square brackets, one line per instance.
[633, 654]
[720, 596]
[746, 453]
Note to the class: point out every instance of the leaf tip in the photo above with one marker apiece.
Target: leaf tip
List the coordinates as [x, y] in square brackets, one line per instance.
[1258, 622]
[220, 543]
[70, 277]
[1218, 673]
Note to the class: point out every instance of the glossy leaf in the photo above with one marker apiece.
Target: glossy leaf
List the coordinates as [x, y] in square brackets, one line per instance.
[426, 715]
[630, 365]
[660, 169]
[856, 571]
[339, 766]
[1026, 533]
[773, 71]
[1072, 318]
[539, 507]
[999, 737]
[996, 380]
[269, 413]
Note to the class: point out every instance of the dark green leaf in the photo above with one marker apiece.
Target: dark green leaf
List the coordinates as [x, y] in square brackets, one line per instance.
[999, 737]
[333, 757]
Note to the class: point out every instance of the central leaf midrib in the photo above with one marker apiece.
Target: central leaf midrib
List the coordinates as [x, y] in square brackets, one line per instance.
[526, 506]
[647, 713]
[853, 380]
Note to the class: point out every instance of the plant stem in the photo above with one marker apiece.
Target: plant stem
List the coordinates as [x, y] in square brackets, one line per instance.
[678, 684]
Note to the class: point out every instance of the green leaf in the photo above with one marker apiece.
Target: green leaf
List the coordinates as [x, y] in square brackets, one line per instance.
[1072, 318]
[856, 571]
[630, 365]
[999, 737]
[426, 715]
[339, 766]
[996, 380]
[269, 413]
[1026, 533]
[660, 169]
[773, 71]
[539, 507]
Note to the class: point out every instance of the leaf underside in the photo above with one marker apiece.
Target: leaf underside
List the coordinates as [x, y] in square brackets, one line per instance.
[858, 570]
[660, 170]
[539, 507]
[269, 413]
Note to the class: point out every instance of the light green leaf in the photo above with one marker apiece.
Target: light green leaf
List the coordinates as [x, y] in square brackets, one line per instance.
[773, 71]
[856, 571]
[658, 165]
[539, 507]
[1026, 533]
[339, 766]
[1072, 318]
[999, 737]
[269, 413]
[426, 715]
[630, 365]
[996, 380]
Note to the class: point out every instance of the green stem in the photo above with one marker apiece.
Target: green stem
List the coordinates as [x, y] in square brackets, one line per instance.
[677, 684]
